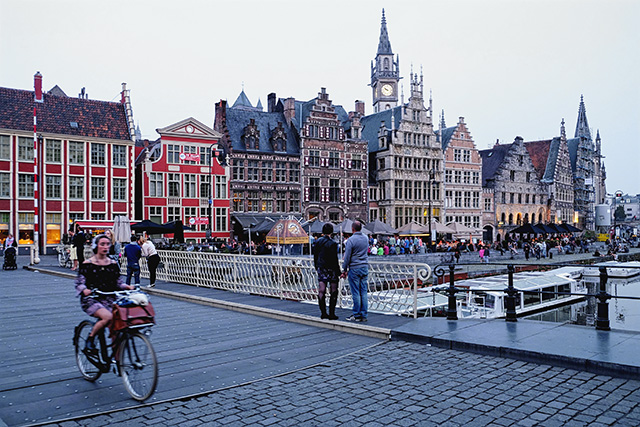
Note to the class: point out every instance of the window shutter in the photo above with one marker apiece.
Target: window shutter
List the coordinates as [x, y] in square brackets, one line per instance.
[341, 133]
[306, 194]
[306, 160]
[364, 164]
[364, 196]
[349, 196]
[342, 163]
[348, 164]
[342, 195]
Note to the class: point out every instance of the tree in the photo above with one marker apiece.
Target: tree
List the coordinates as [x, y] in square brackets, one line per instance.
[619, 214]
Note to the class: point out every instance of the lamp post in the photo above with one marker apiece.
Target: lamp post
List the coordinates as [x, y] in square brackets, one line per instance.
[430, 181]
[210, 229]
[253, 224]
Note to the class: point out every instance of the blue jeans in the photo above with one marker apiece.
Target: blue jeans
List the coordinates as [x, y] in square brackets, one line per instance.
[358, 284]
[133, 269]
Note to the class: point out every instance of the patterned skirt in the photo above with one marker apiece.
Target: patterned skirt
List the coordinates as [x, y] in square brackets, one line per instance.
[327, 275]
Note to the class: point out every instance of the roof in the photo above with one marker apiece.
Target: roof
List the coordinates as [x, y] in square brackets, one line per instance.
[573, 144]
[384, 45]
[95, 119]
[303, 111]
[371, 125]
[239, 118]
[243, 102]
[447, 133]
[539, 152]
[491, 160]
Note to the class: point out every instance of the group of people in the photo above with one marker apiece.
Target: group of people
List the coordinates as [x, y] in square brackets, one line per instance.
[354, 266]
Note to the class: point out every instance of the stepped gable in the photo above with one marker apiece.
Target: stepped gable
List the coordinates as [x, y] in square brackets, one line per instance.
[95, 119]
[371, 125]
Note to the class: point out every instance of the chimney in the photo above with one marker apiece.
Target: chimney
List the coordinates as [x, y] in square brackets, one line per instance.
[37, 85]
[271, 102]
[219, 121]
[360, 107]
[289, 109]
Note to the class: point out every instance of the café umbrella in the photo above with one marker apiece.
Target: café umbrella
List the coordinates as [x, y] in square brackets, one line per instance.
[287, 232]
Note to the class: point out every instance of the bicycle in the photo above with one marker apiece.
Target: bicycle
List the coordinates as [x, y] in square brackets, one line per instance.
[64, 256]
[131, 353]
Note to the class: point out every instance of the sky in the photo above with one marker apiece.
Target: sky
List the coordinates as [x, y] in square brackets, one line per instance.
[509, 67]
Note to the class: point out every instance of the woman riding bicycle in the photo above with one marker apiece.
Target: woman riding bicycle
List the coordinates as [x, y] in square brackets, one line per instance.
[98, 273]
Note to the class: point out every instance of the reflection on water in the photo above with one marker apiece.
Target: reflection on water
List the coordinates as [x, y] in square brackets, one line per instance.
[623, 314]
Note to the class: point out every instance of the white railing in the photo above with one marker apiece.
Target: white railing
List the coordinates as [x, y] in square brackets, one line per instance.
[393, 286]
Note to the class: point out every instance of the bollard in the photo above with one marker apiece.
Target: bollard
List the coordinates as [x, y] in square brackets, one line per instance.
[452, 311]
[602, 322]
[511, 297]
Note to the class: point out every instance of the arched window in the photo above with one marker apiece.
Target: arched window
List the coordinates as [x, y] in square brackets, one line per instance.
[386, 63]
[503, 217]
[526, 218]
[510, 219]
[519, 219]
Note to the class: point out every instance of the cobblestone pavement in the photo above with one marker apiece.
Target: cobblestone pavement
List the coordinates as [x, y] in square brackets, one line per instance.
[406, 384]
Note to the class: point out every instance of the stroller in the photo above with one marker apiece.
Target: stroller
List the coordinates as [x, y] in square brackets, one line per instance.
[10, 259]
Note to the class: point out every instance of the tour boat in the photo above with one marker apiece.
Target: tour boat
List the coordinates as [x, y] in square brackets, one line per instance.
[400, 302]
[616, 269]
[486, 298]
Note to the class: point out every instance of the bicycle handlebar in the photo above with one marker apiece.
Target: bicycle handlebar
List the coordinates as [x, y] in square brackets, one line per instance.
[95, 292]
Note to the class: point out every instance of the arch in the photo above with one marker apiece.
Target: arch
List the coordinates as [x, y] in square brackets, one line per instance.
[487, 234]
[386, 64]
[519, 219]
[510, 219]
[526, 218]
[503, 218]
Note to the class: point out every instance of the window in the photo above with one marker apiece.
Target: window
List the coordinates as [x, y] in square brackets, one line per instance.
[533, 199]
[54, 225]
[97, 188]
[334, 216]
[418, 190]
[76, 153]
[221, 187]
[408, 190]
[334, 159]
[511, 198]
[253, 171]
[281, 201]
[398, 189]
[155, 214]
[487, 204]
[221, 219]
[458, 199]
[314, 189]
[356, 162]
[173, 213]
[5, 187]
[190, 185]
[119, 189]
[238, 169]
[54, 151]
[173, 153]
[512, 175]
[76, 187]
[475, 178]
[119, 155]
[476, 199]
[281, 171]
[190, 212]
[457, 177]
[466, 177]
[5, 147]
[294, 172]
[25, 185]
[314, 158]
[174, 185]
[356, 191]
[447, 176]
[52, 183]
[267, 171]
[156, 184]
[25, 149]
[98, 216]
[238, 201]
[205, 187]
[205, 156]
[188, 149]
[253, 201]
[466, 156]
[457, 155]
[267, 202]
[97, 154]
[467, 199]
[334, 190]
[294, 201]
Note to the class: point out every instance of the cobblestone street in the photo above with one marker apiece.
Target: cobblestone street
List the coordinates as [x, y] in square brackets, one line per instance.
[401, 383]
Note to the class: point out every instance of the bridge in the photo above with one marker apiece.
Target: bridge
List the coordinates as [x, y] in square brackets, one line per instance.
[237, 358]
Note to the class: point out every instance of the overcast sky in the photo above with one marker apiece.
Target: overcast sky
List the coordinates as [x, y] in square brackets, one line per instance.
[510, 67]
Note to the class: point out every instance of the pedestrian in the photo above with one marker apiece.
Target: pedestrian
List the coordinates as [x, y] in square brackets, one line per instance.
[8, 242]
[133, 253]
[487, 254]
[457, 254]
[481, 254]
[114, 249]
[356, 267]
[148, 250]
[79, 240]
[527, 250]
[325, 261]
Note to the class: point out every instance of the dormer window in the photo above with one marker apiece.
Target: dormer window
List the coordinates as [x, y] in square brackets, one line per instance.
[251, 136]
[279, 138]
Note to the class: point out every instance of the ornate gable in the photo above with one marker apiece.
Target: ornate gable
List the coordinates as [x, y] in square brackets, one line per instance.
[279, 138]
[189, 128]
[251, 136]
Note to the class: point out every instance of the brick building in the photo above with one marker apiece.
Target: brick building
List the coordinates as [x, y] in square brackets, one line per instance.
[85, 153]
[179, 177]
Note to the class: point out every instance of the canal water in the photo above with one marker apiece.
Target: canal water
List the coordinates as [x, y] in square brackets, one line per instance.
[624, 314]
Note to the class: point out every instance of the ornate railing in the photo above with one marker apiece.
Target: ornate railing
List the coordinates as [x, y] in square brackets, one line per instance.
[393, 286]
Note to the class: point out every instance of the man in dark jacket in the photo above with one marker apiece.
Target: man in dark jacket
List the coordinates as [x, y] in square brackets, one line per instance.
[325, 260]
[79, 239]
[133, 252]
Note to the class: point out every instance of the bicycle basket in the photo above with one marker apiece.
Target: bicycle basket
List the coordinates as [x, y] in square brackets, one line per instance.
[125, 317]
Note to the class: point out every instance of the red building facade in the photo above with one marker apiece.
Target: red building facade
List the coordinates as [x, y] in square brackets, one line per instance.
[85, 156]
[180, 177]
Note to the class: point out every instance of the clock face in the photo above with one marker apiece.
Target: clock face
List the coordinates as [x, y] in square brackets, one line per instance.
[387, 90]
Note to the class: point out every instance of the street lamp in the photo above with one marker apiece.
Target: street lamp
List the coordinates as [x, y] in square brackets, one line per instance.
[253, 224]
[210, 229]
[430, 181]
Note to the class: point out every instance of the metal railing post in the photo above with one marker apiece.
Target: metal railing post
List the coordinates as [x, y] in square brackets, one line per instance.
[415, 291]
[511, 296]
[602, 322]
[452, 311]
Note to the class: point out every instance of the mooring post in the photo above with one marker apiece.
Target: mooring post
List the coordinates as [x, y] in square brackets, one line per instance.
[452, 310]
[511, 296]
[602, 322]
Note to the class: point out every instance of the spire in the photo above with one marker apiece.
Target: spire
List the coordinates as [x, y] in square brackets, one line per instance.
[402, 94]
[563, 133]
[430, 103]
[582, 126]
[384, 46]
[242, 101]
[442, 125]
[259, 105]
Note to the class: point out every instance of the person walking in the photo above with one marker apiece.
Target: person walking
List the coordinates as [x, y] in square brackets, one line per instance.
[325, 260]
[355, 266]
[133, 253]
[148, 250]
[79, 240]
[487, 254]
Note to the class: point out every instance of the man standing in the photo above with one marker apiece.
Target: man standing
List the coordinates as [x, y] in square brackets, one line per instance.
[356, 266]
[78, 242]
[133, 252]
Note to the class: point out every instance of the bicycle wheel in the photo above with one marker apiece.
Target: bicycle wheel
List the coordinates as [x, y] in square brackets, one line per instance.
[88, 370]
[61, 259]
[138, 366]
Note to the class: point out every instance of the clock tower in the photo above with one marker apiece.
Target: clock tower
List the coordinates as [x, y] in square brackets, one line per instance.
[385, 73]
